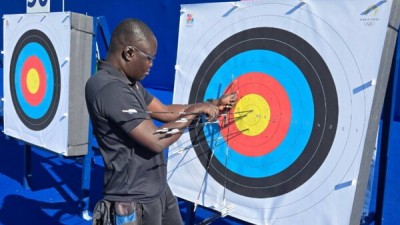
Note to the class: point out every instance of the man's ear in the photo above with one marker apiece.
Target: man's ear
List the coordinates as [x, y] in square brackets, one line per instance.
[127, 54]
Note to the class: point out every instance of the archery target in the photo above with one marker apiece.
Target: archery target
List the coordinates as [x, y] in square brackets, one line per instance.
[290, 149]
[38, 60]
[35, 80]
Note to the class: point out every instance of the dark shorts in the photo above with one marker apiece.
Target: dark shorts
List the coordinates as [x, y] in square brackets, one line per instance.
[162, 211]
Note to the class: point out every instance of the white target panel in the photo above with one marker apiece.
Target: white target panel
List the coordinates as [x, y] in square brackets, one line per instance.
[47, 60]
[305, 73]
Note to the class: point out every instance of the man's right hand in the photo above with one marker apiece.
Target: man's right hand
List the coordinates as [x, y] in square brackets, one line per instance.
[204, 108]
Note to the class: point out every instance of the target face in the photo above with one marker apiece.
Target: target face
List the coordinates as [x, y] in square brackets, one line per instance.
[289, 151]
[35, 80]
[282, 81]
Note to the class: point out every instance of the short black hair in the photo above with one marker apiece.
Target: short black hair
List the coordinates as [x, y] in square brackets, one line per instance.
[129, 32]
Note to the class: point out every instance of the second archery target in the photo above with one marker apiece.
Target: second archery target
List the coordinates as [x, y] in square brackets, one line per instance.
[47, 59]
[35, 80]
[290, 150]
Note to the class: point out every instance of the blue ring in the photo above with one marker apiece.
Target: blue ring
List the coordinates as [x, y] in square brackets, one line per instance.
[34, 49]
[301, 103]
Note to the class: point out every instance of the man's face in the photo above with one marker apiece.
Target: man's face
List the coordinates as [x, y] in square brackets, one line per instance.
[143, 56]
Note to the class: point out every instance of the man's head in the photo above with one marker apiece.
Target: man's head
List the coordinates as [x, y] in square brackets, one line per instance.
[132, 48]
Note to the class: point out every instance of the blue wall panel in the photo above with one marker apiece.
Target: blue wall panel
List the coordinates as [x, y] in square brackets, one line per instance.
[391, 200]
[1, 92]
[161, 15]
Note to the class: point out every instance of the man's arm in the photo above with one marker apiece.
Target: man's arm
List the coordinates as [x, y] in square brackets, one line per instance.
[146, 132]
[165, 113]
[168, 113]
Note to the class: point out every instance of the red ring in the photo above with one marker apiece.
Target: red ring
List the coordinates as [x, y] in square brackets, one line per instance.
[278, 126]
[33, 99]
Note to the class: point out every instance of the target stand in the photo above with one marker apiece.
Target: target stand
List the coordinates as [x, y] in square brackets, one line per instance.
[47, 60]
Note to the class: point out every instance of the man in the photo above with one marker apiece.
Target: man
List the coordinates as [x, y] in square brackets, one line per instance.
[121, 112]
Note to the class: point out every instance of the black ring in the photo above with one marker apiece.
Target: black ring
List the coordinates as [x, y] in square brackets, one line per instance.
[323, 89]
[40, 38]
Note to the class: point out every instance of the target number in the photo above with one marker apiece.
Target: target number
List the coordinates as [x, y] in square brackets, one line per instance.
[34, 6]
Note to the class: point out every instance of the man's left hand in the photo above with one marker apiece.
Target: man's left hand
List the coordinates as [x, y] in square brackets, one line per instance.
[227, 101]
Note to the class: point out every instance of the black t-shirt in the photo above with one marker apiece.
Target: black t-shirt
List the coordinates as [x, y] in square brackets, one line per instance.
[132, 172]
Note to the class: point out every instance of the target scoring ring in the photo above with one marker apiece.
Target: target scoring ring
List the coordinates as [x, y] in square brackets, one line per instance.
[254, 122]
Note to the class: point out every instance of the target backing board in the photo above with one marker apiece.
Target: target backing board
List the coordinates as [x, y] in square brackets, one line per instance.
[305, 72]
[47, 60]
